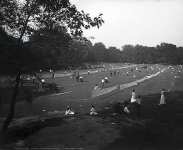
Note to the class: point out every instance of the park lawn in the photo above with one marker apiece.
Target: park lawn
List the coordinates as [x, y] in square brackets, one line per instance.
[80, 92]
[96, 132]
[105, 134]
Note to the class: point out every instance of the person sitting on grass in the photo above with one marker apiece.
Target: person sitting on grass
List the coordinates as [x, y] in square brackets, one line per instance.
[162, 98]
[126, 106]
[81, 79]
[96, 87]
[133, 108]
[69, 111]
[106, 79]
[126, 110]
[93, 111]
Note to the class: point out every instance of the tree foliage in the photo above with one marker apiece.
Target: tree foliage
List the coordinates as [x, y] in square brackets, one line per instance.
[164, 53]
[21, 19]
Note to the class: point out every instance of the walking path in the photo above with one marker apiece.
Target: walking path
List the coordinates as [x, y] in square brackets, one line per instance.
[85, 72]
[99, 92]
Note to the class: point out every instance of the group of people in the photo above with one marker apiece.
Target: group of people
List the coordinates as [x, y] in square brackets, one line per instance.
[77, 76]
[70, 112]
[114, 73]
[103, 81]
[133, 106]
[50, 71]
[135, 101]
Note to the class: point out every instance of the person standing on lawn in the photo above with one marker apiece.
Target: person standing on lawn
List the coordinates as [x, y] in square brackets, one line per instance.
[162, 98]
[103, 82]
[133, 98]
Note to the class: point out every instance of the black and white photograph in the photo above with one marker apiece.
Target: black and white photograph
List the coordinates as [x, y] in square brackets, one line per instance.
[91, 74]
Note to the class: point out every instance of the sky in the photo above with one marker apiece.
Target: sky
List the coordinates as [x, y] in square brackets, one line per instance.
[146, 22]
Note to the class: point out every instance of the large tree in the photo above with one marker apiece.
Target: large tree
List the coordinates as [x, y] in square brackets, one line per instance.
[80, 49]
[50, 47]
[99, 51]
[21, 18]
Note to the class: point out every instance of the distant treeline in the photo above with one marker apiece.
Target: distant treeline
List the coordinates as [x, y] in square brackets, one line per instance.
[55, 48]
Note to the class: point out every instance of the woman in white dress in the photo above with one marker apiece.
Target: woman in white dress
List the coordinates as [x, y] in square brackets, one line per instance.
[69, 111]
[133, 98]
[93, 111]
[162, 98]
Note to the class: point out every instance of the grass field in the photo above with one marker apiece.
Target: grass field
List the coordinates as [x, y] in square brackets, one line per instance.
[158, 128]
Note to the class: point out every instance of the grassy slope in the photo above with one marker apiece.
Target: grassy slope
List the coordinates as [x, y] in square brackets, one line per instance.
[95, 133]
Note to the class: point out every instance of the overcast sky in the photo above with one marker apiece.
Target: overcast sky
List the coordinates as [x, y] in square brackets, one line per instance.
[147, 22]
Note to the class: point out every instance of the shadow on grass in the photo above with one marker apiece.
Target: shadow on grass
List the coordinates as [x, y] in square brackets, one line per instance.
[27, 92]
[158, 127]
[16, 133]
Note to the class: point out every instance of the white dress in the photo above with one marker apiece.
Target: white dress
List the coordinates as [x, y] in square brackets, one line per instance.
[162, 99]
[93, 111]
[133, 98]
[126, 110]
[96, 87]
[69, 112]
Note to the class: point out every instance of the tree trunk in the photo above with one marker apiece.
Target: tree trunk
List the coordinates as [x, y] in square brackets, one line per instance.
[12, 104]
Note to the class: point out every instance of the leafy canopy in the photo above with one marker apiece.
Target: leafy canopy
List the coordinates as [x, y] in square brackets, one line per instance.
[22, 17]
